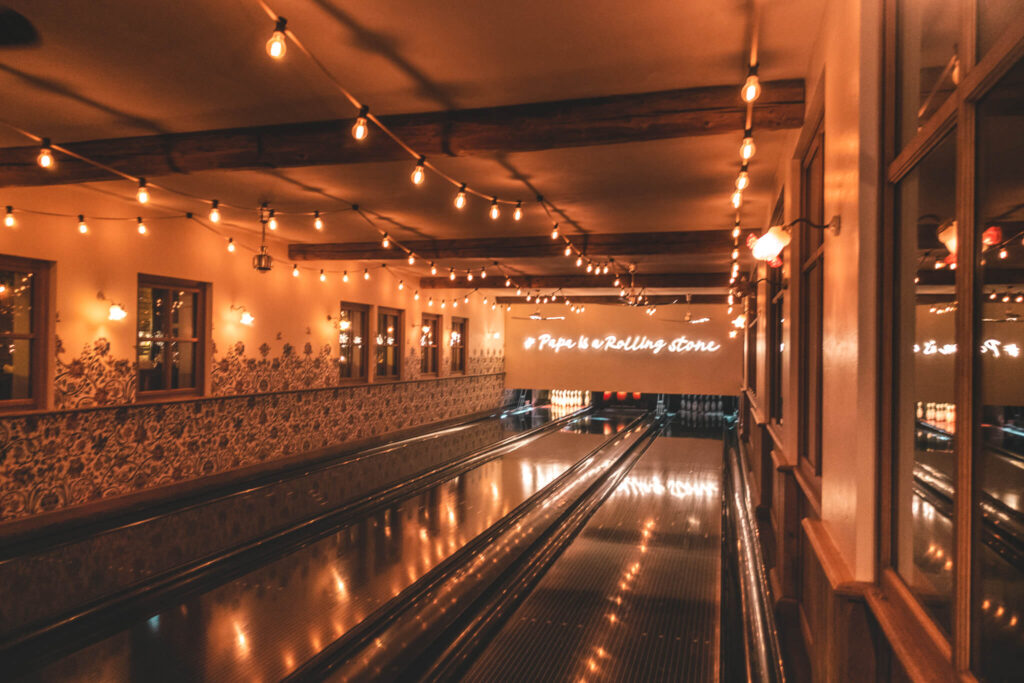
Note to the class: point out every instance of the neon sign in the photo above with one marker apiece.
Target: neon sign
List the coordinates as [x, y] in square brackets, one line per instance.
[681, 344]
[993, 347]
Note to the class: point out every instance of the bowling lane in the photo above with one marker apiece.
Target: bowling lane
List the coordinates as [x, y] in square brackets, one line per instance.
[635, 597]
[62, 576]
[266, 622]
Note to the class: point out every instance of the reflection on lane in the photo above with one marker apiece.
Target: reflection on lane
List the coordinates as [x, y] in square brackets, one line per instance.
[266, 623]
[53, 581]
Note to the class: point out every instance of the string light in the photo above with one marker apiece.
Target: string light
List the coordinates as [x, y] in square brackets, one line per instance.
[9, 217]
[554, 232]
[318, 222]
[277, 45]
[366, 273]
[519, 291]
[416, 295]
[231, 245]
[360, 129]
[45, 158]
[386, 242]
[590, 267]
[455, 303]
[142, 194]
[272, 220]
[323, 275]
[517, 213]
[295, 270]
[401, 285]
[215, 212]
[465, 299]
[412, 259]
[430, 301]
[141, 226]
[442, 303]
[460, 198]
[508, 308]
[419, 174]
[451, 274]
[82, 227]
[433, 269]
[469, 276]
[344, 276]
[743, 179]
[508, 282]
[495, 211]
[747, 147]
[617, 282]
[483, 273]
[568, 250]
[752, 87]
[579, 261]
[1003, 253]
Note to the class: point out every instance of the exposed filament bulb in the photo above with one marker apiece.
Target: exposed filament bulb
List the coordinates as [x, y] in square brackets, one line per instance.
[751, 87]
[278, 45]
[318, 222]
[747, 147]
[554, 232]
[142, 194]
[517, 213]
[460, 198]
[141, 226]
[419, 174]
[360, 129]
[495, 211]
[215, 212]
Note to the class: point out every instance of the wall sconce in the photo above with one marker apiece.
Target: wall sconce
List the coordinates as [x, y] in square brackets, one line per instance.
[246, 317]
[768, 246]
[116, 311]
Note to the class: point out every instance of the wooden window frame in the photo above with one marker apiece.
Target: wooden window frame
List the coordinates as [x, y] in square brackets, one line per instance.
[41, 344]
[399, 315]
[464, 346]
[920, 638]
[775, 309]
[364, 309]
[202, 338]
[436, 321]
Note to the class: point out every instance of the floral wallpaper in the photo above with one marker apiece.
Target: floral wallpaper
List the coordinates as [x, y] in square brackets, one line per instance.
[100, 444]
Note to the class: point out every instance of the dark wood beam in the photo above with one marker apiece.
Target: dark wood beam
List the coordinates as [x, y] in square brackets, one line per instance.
[657, 300]
[695, 242]
[577, 281]
[468, 132]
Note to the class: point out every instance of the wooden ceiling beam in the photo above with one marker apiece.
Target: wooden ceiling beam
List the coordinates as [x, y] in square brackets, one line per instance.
[597, 246]
[468, 132]
[577, 281]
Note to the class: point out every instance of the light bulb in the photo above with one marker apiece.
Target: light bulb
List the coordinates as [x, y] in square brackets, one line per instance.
[215, 212]
[554, 232]
[483, 273]
[366, 273]
[142, 194]
[1006, 298]
[517, 213]
[605, 269]
[742, 180]
[769, 245]
[529, 297]
[735, 254]
[416, 295]
[992, 296]
[455, 303]
[495, 211]
[443, 303]
[246, 318]
[344, 276]
[1003, 253]
[411, 259]
[386, 242]
[451, 274]
[419, 174]
[9, 217]
[460, 198]
[494, 307]
[469, 276]
[231, 245]
[465, 299]
[318, 222]
[141, 226]
[590, 267]
[401, 285]
[45, 158]
[272, 221]
[579, 261]
[508, 308]
[295, 270]
[751, 89]
[736, 232]
[277, 45]
[617, 282]
[360, 129]
[485, 301]
[433, 269]
[736, 199]
[430, 301]
[323, 275]
[568, 250]
[519, 291]
[508, 282]
[82, 227]
[747, 148]
[117, 312]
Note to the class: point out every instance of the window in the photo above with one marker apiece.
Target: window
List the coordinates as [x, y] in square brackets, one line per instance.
[172, 334]
[812, 284]
[352, 342]
[389, 343]
[23, 332]
[429, 333]
[929, 67]
[776, 319]
[925, 398]
[458, 342]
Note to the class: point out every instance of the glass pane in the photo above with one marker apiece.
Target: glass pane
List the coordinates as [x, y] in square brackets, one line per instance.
[15, 369]
[928, 33]
[925, 458]
[151, 365]
[183, 365]
[183, 314]
[999, 386]
[15, 302]
[993, 18]
[351, 342]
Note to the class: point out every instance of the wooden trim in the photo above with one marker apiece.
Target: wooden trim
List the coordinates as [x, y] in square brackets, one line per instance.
[759, 417]
[203, 338]
[42, 363]
[839, 576]
[399, 343]
[1001, 57]
[941, 122]
[774, 430]
[365, 309]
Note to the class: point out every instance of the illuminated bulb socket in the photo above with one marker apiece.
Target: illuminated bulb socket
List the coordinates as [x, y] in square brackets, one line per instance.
[508, 282]
[992, 296]
[616, 283]
[430, 301]
[361, 127]
[736, 232]
[451, 274]
[231, 244]
[318, 222]
[742, 181]
[344, 276]
[568, 251]
[142, 194]
[517, 213]
[82, 227]
[323, 275]
[1006, 298]
[45, 158]
[386, 242]
[416, 295]
[442, 303]
[751, 87]
[401, 284]
[215, 212]
[277, 45]
[460, 198]
[590, 267]
[747, 147]
[272, 220]
[419, 174]
[141, 226]
[411, 259]
[579, 261]
[495, 211]
[736, 199]
[554, 232]
[295, 270]
[735, 254]
[366, 274]
[433, 269]
[465, 299]
[469, 276]
[483, 273]
[9, 217]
